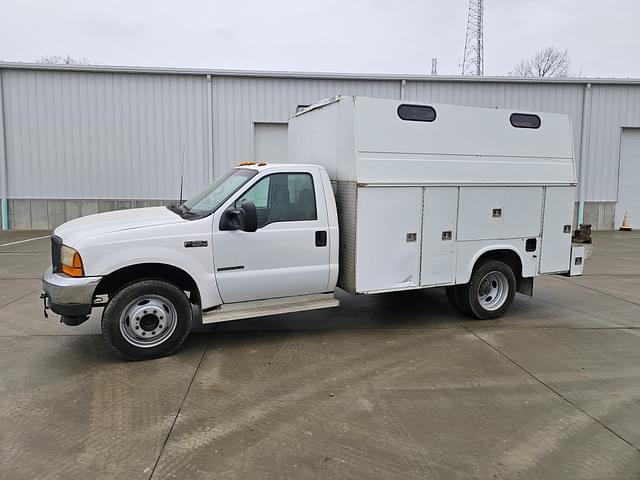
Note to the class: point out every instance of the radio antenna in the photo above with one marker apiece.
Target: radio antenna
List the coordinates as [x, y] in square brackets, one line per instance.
[182, 174]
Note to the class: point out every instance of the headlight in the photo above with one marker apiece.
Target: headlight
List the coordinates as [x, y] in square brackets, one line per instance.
[71, 262]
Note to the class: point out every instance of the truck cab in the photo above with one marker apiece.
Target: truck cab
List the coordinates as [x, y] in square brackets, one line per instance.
[286, 248]
[260, 232]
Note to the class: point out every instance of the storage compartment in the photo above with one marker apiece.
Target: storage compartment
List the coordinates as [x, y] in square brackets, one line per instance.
[438, 235]
[499, 212]
[388, 238]
[555, 251]
[577, 260]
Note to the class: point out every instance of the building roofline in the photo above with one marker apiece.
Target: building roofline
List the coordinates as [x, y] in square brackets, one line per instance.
[315, 75]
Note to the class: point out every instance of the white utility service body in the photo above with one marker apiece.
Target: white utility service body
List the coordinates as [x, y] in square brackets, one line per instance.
[421, 201]
[385, 195]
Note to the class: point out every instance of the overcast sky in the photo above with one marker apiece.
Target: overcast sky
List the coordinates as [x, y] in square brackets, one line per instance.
[374, 36]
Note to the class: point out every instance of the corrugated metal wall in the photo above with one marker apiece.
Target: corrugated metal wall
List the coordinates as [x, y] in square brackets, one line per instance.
[104, 135]
[612, 108]
[119, 135]
[239, 102]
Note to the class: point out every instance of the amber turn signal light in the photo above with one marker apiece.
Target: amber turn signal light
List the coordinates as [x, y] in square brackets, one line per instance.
[71, 262]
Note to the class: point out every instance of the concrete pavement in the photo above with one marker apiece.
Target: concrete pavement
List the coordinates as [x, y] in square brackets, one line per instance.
[392, 386]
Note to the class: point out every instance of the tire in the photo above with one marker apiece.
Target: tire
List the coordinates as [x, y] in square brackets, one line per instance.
[147, 319]
[491, 290]
[451, 297]
[455, 296]
[461, 292]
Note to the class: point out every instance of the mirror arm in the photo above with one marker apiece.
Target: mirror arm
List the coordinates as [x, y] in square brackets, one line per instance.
[243, 218]
[231, 220]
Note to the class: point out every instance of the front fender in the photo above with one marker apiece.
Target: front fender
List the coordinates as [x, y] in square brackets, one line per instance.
[161, 244]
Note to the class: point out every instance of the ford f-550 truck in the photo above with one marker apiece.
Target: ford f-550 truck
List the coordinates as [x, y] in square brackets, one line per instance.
[385, 195]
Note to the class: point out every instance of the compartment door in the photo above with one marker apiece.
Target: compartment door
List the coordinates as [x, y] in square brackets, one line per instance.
[491, 213]
[440, 213]
[555, 253]
[388, 238]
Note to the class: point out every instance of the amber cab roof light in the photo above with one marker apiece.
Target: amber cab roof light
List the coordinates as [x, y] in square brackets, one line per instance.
[246, 164]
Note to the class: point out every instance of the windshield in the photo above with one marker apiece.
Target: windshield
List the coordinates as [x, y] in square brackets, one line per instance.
[217, 193]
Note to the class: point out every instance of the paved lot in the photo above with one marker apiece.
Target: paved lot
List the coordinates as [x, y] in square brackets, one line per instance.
[395, 386]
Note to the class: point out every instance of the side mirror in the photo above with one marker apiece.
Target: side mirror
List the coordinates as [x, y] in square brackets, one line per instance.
[249, 216]
[244, 218]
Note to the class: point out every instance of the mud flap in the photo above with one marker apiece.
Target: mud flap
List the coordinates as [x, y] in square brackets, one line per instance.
[525, 286]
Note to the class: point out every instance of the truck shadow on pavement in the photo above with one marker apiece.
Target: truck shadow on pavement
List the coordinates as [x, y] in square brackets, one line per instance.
[396, 310]
[407, 310]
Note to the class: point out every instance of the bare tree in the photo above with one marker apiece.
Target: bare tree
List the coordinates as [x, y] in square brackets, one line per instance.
[58, 60]
[549, 62]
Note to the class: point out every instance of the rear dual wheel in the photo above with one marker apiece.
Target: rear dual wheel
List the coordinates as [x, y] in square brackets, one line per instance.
[455, 297]
[489, 293]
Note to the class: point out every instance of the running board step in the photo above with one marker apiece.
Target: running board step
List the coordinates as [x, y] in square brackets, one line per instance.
[273, 306]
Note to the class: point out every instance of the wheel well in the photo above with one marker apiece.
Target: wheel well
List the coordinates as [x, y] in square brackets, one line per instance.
[509, 257]
[160, 271]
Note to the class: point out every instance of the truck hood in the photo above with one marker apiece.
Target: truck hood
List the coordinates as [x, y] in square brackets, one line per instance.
[109, 222]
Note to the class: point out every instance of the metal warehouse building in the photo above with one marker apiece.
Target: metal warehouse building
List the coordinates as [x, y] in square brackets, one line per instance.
[76, 140]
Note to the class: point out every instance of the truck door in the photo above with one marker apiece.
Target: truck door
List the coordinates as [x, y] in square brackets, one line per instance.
[288, 254]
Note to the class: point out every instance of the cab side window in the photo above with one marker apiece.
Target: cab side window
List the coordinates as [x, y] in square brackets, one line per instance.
[282, 197]
[258, 194]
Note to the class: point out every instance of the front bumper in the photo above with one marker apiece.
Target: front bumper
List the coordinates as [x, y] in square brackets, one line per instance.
[69, 296]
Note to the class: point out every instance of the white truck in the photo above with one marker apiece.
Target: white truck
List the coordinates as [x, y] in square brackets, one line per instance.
[385, 195]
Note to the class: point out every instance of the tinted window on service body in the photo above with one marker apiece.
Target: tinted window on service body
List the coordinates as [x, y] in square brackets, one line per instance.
[417, 113]
[524, 120]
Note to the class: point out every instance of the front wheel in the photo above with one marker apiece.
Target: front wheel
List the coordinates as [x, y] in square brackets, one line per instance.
[147, 319]
[491, 290]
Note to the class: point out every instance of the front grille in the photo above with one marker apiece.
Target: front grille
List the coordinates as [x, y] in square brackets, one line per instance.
[56, 248]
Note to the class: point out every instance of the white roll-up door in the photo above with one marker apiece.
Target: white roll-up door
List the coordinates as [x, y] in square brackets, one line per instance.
[629, 178]
[270, 142]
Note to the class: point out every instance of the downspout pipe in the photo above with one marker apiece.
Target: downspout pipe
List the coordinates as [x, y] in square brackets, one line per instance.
[210, 167]
[584, 150]
[5, 214]
[4, 187]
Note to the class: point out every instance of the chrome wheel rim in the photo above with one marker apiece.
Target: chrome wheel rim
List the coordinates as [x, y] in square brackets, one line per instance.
[493, 291]
[148, 321]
